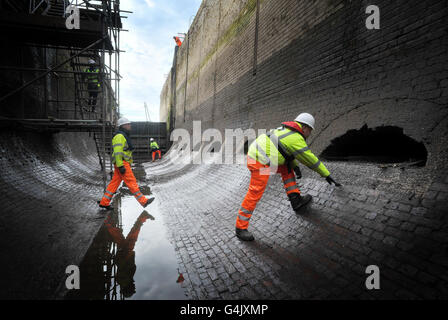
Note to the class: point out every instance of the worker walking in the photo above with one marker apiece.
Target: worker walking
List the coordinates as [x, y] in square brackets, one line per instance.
[282, 148]
[93, 84]
[122, 159]
[155, 149]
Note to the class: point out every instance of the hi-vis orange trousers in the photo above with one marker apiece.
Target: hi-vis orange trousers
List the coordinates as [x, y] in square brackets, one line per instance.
[258, 181]
[129, 179]
[154, 154]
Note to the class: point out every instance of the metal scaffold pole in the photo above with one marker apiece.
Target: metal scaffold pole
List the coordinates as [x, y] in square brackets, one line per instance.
[74, 107]
[103, 100]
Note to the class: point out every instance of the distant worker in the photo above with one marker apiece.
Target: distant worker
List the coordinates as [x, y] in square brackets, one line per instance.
[155, 149]
[122, 159]
[178, 41]
[281, 147]
[93, 83]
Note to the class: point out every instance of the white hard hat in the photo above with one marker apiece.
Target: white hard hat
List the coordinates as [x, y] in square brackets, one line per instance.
[123, 121]
[91, 61]
[306, 118]
[152, 139]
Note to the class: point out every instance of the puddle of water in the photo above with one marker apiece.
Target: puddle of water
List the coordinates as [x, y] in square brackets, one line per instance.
[131, 257]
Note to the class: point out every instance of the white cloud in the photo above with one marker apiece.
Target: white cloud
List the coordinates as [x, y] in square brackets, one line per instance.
[143, 67]
[150, 3]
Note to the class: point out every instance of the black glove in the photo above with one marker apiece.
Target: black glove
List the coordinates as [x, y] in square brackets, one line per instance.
[122, 170]
[298, 172]
[330, 181]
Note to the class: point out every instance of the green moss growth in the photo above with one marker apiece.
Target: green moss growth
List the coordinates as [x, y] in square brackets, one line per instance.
[235, 29]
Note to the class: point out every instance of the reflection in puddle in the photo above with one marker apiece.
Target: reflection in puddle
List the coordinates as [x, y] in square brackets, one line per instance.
[130, 258]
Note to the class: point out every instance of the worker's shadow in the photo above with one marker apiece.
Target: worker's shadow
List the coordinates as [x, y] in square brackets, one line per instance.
[309, 221]
[308, 213]
[125, 256]
[294, 267]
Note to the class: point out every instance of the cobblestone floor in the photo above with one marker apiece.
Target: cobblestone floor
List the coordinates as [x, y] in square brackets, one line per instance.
[320, 253]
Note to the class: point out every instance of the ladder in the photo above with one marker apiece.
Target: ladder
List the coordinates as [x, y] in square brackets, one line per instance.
[99, 143]
[81, 87]
[83, 110]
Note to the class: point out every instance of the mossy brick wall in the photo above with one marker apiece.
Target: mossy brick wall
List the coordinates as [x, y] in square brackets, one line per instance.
[318, 57]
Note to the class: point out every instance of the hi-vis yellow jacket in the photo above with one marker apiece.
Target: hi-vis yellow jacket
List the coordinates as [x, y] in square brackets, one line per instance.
[121, 150]
[265, 151]
[93, 77]
[154, 146]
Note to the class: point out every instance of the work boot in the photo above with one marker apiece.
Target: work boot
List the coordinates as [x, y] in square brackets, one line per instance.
[298, 201]
[244, 234]
[109, 207]
[148, 202]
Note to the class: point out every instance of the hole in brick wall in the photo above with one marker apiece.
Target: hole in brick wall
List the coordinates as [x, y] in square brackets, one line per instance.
[385, 144]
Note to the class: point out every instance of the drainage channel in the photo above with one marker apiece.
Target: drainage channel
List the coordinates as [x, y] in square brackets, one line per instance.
[130, 257]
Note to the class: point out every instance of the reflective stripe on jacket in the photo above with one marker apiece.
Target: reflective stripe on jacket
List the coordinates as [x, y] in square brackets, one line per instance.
[120, 150]
[94, 77]
[265, 151]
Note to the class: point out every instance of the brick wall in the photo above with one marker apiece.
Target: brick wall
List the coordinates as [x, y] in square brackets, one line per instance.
[318, 57]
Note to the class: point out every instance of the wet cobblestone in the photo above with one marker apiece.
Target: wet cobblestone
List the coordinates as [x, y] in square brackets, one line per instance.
[321, 253]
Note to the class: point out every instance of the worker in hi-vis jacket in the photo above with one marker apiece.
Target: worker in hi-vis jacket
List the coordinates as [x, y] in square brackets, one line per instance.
[155, 149]
[283, 148]
[122, 159]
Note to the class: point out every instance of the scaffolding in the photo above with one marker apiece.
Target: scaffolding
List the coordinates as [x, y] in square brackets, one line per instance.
[65, 101]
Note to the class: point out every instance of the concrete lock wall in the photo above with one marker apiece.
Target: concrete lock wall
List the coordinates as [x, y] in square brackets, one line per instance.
[234, 71]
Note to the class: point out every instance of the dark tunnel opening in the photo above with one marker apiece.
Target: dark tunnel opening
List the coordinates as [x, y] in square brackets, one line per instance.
[386, 144]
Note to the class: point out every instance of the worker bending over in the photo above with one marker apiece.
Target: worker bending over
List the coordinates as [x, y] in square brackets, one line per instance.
[122, 159]
[155, 149]
[282, 147]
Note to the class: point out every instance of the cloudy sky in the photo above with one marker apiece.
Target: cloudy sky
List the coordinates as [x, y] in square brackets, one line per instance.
[149, 47]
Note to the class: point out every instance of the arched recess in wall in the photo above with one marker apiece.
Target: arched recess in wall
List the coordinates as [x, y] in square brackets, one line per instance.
[385, 144]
